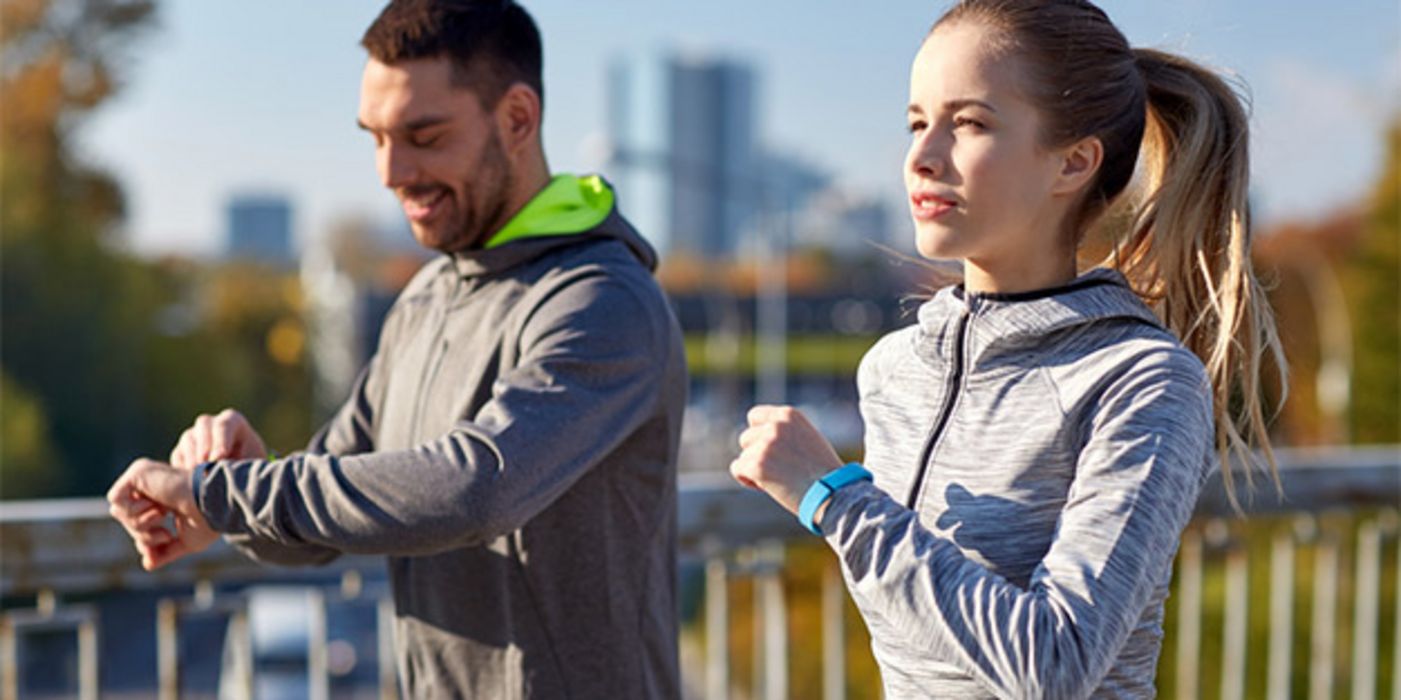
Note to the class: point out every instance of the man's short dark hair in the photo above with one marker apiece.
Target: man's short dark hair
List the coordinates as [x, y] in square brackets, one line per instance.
[492, 44]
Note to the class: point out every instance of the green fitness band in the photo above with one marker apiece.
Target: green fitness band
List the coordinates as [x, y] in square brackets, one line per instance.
[823, 488]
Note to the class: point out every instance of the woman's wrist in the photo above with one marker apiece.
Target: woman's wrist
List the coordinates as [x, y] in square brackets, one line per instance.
[814, 503]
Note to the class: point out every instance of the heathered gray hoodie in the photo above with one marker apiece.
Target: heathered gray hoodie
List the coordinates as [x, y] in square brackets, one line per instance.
[1036, 457]
[511, 447]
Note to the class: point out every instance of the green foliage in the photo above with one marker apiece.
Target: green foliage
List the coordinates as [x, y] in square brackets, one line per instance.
[25, 453]
[1372, 282]
[811, 355]
[66, 334]
[106, 357]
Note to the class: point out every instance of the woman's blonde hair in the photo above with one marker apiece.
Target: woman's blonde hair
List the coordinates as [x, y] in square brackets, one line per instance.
[1182, 236]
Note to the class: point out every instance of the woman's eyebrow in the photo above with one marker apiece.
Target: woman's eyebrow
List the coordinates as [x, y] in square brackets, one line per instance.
[955, 105]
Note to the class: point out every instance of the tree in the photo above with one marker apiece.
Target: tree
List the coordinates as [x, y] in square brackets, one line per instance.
[1372, 283]
[105, 357]
[65, 300]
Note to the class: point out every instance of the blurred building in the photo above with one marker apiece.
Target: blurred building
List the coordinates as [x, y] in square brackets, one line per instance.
[260, 229]
[847, 222]
[351, 276]
[682, 135]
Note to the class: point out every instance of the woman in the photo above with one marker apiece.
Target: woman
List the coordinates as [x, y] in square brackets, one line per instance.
[1036, 442]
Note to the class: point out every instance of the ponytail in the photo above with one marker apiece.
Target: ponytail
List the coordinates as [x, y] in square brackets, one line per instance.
[1188, 250]
[1174, 136]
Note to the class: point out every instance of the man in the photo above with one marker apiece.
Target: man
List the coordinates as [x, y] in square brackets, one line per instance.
[511, 444]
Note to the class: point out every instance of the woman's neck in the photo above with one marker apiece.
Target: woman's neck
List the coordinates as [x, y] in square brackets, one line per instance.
[1025, 275]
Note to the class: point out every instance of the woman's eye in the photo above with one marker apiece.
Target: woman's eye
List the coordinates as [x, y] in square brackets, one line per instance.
[968, 122]
[916, 127]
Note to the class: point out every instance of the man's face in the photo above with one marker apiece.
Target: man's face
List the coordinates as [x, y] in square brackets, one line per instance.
[438, 149]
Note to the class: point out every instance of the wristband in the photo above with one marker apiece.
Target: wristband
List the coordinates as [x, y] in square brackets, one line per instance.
[823, 488]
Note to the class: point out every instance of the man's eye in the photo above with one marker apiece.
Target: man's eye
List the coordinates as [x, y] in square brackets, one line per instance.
[916, 127]
[428, 142]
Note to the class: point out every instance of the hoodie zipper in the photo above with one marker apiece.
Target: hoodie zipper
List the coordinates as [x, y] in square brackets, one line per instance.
[437, 351]
[955, 387]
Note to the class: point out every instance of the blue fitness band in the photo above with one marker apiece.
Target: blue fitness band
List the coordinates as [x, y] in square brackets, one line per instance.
[823, 488]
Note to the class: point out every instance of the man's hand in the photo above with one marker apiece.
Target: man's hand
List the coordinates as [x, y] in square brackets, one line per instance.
[142, 498]
[225, 436]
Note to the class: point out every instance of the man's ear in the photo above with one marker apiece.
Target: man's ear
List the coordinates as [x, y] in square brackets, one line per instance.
[518, 117]
[1080, 163]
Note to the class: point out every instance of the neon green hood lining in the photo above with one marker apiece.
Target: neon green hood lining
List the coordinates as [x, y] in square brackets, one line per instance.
[568, 205]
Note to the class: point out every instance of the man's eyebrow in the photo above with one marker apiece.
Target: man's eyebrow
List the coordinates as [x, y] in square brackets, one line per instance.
[425, 122]
[413, 125]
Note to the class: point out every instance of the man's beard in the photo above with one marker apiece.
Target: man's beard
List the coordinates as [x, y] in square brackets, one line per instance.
[492, 176]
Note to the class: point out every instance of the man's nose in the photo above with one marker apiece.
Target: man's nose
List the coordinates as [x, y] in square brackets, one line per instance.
[396, 165]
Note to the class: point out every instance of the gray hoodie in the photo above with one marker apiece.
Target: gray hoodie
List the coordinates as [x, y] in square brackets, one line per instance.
[511, 447]
[1036, 458]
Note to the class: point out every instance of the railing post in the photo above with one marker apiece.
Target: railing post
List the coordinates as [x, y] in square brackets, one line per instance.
[1325, 600]
[833, 634]
[1281, 612]
[81, 619]
[318, 675]
[1396, 636]
[169, 613]
[717, 628]
[9, 660]
[1189, 613]
[168, 649]
[89, 679]
[241, 636]
[747, 565]
[384, 618]
[1366, 597]
[775, 619]
[1237, 605]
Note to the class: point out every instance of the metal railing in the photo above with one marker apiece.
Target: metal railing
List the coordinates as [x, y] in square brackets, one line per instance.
[1337, 523]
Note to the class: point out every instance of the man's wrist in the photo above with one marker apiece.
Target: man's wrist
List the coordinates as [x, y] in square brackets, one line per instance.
[197, 481]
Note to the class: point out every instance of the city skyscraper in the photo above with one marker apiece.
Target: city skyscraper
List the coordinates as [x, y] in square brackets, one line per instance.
[713, 174]
[682, 131]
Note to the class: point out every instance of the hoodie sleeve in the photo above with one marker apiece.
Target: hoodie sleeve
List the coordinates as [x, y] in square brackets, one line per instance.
[350, 431]
[593, 360]
[1136, 482]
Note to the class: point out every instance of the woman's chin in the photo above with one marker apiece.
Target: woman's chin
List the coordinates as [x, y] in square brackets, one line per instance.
[936, 245]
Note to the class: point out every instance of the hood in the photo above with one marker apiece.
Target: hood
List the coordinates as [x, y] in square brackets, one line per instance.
[568, 211]
[1027, 317]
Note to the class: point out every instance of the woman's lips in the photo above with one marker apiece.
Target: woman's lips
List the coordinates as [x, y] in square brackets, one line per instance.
[927, 207]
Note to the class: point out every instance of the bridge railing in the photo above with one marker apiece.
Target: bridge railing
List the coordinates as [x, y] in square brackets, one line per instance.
[1300, 599]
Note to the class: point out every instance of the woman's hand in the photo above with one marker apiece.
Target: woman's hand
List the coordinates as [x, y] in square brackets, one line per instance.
[782, 454]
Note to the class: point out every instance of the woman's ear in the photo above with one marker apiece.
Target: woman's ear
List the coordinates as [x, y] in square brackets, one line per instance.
[1080, 162]
[518, 117]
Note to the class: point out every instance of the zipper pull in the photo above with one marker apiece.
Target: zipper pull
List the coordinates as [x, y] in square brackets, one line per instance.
[971, 304]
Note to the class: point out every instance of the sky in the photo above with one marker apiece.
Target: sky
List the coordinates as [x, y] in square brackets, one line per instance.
[260, 96]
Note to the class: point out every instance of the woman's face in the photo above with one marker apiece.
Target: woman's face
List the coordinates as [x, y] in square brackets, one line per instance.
[980, 184]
